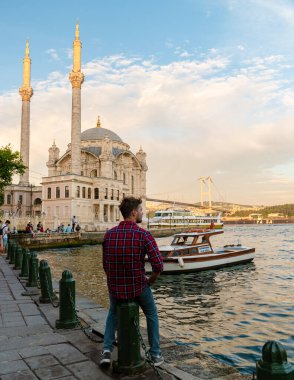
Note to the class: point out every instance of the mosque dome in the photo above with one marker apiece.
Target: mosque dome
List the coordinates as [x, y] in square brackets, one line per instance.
[99, 134]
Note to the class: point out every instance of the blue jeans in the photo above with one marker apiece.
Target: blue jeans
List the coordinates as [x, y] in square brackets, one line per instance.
[147, 304]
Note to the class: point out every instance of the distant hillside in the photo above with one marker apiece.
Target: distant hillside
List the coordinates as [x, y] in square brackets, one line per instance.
[286, 210]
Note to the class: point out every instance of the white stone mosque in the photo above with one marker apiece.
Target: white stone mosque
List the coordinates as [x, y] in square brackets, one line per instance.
[87, 181]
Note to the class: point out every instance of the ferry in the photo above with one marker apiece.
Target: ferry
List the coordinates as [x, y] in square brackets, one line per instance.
[192, 252]
[184, 218]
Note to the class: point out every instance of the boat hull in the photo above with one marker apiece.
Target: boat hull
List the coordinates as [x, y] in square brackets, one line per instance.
[204, 262]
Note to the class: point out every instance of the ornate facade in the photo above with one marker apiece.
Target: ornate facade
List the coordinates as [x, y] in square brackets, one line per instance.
[91, 178]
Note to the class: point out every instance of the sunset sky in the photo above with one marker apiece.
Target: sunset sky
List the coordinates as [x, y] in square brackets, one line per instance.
[206, 87]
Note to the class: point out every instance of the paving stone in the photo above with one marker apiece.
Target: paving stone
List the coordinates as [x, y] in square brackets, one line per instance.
[33, 320]
[54, 373]
[35, 340]
[22, 375]
[36, 362]
[17, 323]
[66, 353]
[33, 351]
[13, 366]
[86, 370]
[7, 356]
[29, 309]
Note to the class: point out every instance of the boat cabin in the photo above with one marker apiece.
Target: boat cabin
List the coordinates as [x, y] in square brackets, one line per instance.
[190, 243]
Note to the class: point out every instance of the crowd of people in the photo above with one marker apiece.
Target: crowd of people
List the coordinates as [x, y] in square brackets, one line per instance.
[6, 230]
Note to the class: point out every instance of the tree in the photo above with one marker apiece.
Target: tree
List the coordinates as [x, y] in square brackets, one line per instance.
[10, 163]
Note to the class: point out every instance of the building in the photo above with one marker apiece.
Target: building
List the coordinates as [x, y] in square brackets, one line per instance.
[89, 180]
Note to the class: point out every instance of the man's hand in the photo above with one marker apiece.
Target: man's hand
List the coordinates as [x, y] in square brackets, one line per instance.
[152, 278]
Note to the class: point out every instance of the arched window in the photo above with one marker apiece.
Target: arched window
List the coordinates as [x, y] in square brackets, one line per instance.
[93, 173]
[124, 178]
[114, 174]
[57, 192]
[78, 191]
[37, 201]
[49, 193]
[83, 192]
[89, 192]
[66, 191]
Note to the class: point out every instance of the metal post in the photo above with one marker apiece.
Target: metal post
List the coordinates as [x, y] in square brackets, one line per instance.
[12, 254]
[33, 270]
[25, 263]
[129, 360]
[47, 293]
[67, 297]
[18, 258]
[9, 246]
[274, 364]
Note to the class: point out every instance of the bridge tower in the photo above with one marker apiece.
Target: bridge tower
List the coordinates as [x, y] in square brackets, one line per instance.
[205, 189]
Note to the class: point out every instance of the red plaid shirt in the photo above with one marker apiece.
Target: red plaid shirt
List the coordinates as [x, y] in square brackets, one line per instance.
[124, 250]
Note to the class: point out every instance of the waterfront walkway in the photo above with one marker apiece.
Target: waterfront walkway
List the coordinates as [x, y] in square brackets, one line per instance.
[31, 347]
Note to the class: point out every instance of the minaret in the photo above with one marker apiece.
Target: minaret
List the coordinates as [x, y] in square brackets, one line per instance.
[77, 78]
[26, 92]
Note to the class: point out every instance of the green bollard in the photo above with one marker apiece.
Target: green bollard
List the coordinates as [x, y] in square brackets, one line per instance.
[47, 293]
[25, 263]
[18, 258]
[67, 298]
[129, 360]
[274, 365]
[12, 253]
[33, 270]
[9, 246]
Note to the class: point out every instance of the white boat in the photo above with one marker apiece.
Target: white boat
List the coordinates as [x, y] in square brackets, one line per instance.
[192, 251]
[184, 218]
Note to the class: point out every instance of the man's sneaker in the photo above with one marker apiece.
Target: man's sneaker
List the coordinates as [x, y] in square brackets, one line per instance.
[157, 360]
[105, 358]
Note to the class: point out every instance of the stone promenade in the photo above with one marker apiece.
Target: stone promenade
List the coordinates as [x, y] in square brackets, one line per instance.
[31, 347]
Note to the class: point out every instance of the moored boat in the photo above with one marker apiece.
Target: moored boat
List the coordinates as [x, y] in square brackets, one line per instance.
[184, 218]
[192, 251]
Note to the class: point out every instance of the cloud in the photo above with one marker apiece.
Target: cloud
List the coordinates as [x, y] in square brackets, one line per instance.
[53, 54]
[192, 117]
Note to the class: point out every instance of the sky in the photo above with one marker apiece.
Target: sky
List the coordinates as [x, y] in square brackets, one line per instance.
[206, 87]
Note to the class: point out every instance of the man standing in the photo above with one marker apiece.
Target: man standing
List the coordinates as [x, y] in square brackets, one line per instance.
[73, 223]
[5, 233]
[124, 249]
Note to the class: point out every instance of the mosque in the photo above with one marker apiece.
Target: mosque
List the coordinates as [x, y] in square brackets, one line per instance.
[87, 181]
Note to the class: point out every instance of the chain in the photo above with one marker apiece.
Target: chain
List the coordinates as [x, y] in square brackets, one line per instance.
[147, 352]
[87, 329]
[49, 293]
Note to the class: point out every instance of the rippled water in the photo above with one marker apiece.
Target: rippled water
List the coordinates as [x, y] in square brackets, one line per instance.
[230, 313]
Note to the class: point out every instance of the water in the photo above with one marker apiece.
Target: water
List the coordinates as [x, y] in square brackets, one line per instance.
[230, 313]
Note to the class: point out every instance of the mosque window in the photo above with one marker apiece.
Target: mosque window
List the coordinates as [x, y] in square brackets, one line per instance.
[20, 199]
[78, 191]
[115, 174]
[133, 185]
[124, 178]
[96, 193]
[89, 192]
[83, 192]
[8, 199]
[106, 193]
[124, 195]
[117, 195]
[49, 193]
[93, 173]
[57, 192]
[66, 192]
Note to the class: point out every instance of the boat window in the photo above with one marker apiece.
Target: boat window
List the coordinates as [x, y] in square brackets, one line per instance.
[164, 254]
[176, 253]
[193, 250]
